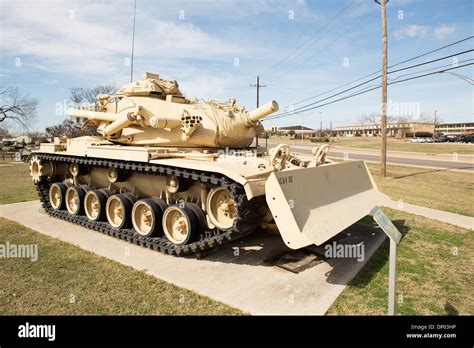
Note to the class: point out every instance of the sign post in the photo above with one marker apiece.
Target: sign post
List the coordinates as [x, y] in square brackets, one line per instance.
[395, 236]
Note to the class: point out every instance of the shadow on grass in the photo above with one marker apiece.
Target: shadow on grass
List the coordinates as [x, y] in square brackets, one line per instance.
[430, 171]
[450, 309]
[378, 260]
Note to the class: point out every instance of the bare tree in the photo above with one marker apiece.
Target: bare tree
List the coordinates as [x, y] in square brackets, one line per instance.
[17, 107]
[80, 96]
[362, 120]
[372, 118]
[72, 128]
[4, 132]
[68, 128]
[426, 117]
[401, 119]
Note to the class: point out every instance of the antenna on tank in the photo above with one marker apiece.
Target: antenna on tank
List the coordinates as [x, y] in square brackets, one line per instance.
[133, 38]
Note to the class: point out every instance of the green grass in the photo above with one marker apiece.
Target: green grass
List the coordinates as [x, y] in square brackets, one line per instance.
[404, 145]
[392, 145]
[431, 279]
[99, 286]
[434, 273]
[15, 183]
[438, 189]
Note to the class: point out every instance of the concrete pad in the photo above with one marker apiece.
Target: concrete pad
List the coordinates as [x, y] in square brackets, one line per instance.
[243, 281]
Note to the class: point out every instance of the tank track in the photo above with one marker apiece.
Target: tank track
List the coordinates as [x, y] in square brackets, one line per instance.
[246, 223]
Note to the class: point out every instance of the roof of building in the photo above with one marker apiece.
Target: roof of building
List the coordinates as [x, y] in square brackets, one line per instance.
[388, 124]
[295, 128]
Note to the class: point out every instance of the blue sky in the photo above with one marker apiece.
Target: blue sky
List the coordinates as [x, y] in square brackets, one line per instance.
[215, 49]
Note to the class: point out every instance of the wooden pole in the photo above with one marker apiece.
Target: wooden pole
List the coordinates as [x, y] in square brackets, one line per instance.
[383, 116]
[133, 39]
[258, 85]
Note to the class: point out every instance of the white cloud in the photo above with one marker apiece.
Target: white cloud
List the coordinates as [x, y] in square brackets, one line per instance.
[423, 31]
[412, 31]
[97, 39]
[443, 30]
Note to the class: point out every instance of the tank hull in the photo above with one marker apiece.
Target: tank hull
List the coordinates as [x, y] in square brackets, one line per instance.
[215, 195]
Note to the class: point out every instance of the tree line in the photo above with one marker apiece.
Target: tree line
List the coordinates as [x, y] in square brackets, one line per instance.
[20, 109]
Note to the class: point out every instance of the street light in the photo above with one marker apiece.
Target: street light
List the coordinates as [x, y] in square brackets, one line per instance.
[302, 127]
[462, 77]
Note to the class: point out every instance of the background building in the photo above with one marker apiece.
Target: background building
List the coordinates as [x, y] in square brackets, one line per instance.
[399, 130]
[296, 129]
[455, 128]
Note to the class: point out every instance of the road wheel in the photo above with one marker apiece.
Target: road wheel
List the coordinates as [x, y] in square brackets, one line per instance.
[75, 199]
[147, 215]
[94, 204]
[221, 208]
[57, 196]
[180, 224]
[118, 210]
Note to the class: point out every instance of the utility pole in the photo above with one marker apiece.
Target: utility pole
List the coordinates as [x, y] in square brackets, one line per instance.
[133, 39]
[434, 128]
[302, 129]
[383, 116]
[258, 85]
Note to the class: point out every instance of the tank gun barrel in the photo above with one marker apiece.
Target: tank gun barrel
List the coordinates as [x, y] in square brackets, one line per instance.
[263, 111]
[93, 115]
[117, 122]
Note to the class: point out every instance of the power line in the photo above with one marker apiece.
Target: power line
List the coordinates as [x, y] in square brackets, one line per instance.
[307, 42]
[375, 78]
[431, 69]
[342, 34]
[302, 48]
[369, 90]
[390, 66]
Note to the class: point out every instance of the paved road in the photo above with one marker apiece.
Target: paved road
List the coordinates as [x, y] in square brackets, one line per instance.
[352, 154]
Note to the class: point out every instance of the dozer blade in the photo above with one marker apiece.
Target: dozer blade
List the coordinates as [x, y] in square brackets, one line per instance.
[312, 205]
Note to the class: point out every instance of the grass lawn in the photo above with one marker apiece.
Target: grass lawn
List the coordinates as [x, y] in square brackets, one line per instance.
[439, 189]
[403, 145]
[434, 260]
[434, 273]
[15, 183]
[392, 145]
[97, 285]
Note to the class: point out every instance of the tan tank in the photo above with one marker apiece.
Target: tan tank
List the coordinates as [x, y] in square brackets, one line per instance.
[180, 176]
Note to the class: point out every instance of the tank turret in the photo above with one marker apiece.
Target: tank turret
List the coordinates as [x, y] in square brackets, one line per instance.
[154, 112]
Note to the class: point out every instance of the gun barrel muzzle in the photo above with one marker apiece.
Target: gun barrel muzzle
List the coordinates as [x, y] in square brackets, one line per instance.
[263, 111]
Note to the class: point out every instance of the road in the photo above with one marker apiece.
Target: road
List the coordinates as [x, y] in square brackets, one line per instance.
[465, 163]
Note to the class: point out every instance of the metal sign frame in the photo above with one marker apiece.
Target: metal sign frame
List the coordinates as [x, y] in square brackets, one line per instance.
[395, 236]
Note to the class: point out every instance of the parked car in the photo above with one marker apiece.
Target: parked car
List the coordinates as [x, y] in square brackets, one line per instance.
[452, 138]
[441, 139]
[422, 140]
[468, 138]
